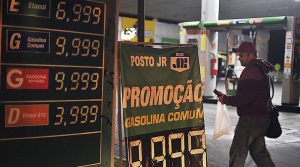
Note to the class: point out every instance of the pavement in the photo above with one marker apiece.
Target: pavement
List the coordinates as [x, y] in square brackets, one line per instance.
[285, 150]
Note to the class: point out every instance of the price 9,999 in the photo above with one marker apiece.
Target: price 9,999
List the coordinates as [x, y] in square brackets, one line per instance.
[186, 148]
[83, 47]
[77, 49]
[77, 81]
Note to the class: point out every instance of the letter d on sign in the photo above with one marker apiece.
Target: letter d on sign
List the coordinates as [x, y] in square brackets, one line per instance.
[13, 115]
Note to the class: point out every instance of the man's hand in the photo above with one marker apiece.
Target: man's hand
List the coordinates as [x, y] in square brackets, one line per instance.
[221, 97]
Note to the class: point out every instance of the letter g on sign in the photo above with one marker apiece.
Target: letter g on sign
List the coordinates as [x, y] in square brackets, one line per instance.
[17, 82]
[15, 41]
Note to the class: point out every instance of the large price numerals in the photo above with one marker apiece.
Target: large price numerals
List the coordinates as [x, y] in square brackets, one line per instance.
[161, 159]
[78, 46]
[80, 13]
[76, 115]
[76, 81]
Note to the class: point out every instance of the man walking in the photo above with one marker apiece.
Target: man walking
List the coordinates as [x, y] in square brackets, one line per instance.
[253, 106]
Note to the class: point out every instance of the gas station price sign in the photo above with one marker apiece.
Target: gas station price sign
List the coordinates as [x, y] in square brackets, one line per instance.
[59, 83]
[52, 82]
[76, 15]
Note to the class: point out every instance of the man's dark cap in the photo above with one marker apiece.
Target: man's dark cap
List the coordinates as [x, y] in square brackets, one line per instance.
[246, 47]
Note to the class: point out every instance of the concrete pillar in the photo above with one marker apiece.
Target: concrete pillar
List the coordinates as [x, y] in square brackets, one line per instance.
[290, 88]
[262, 42]
[141, 21]
[209, 12]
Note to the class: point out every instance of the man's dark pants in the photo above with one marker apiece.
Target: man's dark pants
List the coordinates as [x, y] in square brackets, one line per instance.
[250, 136]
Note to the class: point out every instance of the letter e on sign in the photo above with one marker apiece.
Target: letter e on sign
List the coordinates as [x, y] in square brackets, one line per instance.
[14, 6]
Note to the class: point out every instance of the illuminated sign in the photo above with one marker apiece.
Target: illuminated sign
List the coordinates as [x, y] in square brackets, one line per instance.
[26, 115]
[22, 41]
[52, 86]
[37, 8]
[27, 78]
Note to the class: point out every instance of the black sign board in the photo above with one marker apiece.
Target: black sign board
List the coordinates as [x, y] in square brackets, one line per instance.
[53, 90]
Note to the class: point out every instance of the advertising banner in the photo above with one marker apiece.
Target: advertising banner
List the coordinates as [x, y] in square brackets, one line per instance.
[162, 106]
[130, 26]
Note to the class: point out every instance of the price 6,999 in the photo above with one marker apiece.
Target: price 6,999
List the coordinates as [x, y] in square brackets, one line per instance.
[69, 11]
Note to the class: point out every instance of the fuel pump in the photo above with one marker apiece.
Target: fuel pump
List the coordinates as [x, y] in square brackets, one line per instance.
[231, 81]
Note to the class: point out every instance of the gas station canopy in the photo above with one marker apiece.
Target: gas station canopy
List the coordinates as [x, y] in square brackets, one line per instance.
[222, 25]
[183, 10]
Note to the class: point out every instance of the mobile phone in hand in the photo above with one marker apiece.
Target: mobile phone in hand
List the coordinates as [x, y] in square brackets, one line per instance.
[217, 92]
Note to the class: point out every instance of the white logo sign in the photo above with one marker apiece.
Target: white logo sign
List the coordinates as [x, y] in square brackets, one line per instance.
[180, 62]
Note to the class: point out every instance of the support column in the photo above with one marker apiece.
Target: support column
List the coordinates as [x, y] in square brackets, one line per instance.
[290, 87]
[209, 12]
[262, 42]
[141, 21]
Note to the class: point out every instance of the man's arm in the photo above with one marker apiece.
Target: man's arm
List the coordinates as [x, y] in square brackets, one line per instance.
[243, 97]
[246, 89]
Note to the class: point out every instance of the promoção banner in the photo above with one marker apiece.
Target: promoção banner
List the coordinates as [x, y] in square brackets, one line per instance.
[162, 106]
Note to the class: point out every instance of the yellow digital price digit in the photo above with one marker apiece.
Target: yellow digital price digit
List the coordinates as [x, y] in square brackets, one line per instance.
[84, 111]
[95, 47]
[75, 77]
[87, 10]
[95, 79]
[161, 158]
[97, 14]
[60, 12]
[177, 154]
[74, 113]
[94, 112]
[86, 44]
[60, 116]
[197, 134]
[136, 143]
[200, 134]
[61, 42]
[77, 8]
[76, 42]
[59, 78]
[85, 77]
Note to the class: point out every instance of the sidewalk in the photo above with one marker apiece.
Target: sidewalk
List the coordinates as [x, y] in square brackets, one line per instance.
[284, 150]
